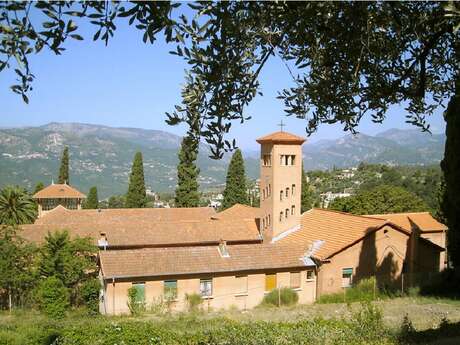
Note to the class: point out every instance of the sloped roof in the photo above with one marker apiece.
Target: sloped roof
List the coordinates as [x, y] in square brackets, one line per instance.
[423, 220]
[125, 215]
[337, 230]
[282, 138]
[239, 211]
[152, 233]
[198, 260]
[54, 191]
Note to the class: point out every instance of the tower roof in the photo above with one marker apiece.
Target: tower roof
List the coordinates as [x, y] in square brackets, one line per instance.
[281, 137]
[55, 191]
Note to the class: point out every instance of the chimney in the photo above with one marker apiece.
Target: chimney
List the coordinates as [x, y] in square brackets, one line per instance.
[223, 250]
[102, 242]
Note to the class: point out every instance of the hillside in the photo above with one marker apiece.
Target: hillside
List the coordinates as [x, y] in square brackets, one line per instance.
[102, 155]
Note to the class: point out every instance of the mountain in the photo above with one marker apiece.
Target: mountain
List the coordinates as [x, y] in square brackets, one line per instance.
[392, 147]
[101, 156]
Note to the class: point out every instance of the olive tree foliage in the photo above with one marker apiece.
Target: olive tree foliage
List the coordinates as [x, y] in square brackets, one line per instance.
[347, 59]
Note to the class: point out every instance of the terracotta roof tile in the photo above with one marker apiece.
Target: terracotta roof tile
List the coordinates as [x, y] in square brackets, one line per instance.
[144, 227]
[193, 260]
[239, 211]
[423, 220]
[281, 137]
[338, 230]
[58, 191]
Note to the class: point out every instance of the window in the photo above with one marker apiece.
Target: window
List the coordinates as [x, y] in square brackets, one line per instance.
[295, 280]
[282, 160]
[269, 189]
[241, 284]
[281, 195]
[270, 282]
[281, 216]
[170, 289]
[286, 160]
[287, 192]
[292, 159]
[347, 274]
[268, 220]
[206, 287]
[140, 292]
[293, 190]
[267, 160]
[263, 223]
[310, 275]
[292, 210]
[286, 213]
[263, 194]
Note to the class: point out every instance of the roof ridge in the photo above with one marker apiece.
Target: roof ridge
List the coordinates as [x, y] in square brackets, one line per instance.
[345, 213]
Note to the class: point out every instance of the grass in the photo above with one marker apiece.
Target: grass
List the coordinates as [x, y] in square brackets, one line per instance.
[431, 319]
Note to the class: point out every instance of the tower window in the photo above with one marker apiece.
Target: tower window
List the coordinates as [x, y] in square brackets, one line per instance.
[286, 160]
[268, 220]
[281, 195]
[292, 210]
[263, 223]
[281, 216]
[269, 189]
[263, 193]
[267, 160]
[292, 159]
[293, 190]
[287, 192]
[287, 213]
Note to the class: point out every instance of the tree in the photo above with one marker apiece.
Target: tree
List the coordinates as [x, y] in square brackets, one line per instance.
[38, 187]
[117, 201]
[235, 187]
[92, 201]
[64, 168]
[53, 297]
[450, 202]
[69, 260]
[382, 199]
[187, 194]
[16, 266]
[136, 196]
[16, 206]
[306, 202]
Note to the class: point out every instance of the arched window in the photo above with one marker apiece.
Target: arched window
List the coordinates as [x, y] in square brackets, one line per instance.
[281, 195]
[292, 210]
[286, 213]
[293, 190]
[287, 192]
[281, 216]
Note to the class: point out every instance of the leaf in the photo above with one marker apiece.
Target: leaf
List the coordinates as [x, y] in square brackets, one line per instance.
[77, 37]
[25, 98]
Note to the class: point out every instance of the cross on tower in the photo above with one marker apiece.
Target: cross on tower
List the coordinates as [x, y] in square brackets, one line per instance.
[281, 124]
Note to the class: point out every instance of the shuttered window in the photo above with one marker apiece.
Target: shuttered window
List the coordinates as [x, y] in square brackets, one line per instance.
[241, 284]
[170, 289]
[140, 292]
[270, 282]
[295, 280]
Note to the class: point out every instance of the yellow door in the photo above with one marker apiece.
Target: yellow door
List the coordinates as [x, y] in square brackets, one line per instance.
[270, 282]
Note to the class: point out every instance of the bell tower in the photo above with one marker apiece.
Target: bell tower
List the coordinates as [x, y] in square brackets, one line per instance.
[280, 183]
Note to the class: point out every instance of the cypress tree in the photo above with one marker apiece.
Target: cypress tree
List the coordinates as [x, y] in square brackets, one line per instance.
[92, 201]
[306, 198]
[235, 188]
[136, 196]
[450, 204]
[187, 194]
[64, 168]
[38, 187]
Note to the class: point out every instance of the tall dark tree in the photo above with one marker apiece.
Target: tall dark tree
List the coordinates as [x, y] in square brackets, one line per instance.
[64, 168]
[92, 201]
[187, 194]
[306, 202]
[38, 187]
[136, 196]
[450, 203]
[235, 188]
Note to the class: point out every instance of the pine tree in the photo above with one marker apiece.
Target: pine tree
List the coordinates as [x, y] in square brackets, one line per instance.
[306, 199]
[64, 168]
[92, 201]
[136, 196]
[187, 194]
[235, 188]
[450, 203]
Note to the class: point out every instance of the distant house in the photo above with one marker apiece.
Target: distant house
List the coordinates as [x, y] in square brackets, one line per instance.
[328, 197]
[58, 194]
[235, 257]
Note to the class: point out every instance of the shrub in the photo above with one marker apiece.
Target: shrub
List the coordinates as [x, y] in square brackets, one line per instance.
[194, 300]
[364, 290]
[52, 297]
[283, 296]
[135, 304]
[368, 320]
[90, 295]
[443, 284]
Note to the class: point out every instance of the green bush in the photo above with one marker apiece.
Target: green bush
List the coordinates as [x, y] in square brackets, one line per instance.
[283, 296]
[135, 304]
[444, 284]
[52, 297]
[194, 301]
[364, 291]
[90, 294]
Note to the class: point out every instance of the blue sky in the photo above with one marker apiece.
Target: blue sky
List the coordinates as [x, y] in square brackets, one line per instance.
[132, 84]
